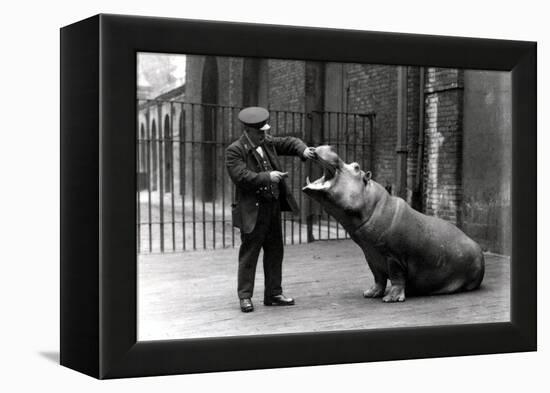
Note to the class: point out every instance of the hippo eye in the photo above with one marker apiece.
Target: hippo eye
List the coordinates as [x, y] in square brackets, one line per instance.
[356, 167]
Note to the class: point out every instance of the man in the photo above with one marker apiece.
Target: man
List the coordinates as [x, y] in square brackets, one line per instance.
[261, 194]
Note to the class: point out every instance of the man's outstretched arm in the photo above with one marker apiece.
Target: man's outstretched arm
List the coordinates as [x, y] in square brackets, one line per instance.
[292, 146]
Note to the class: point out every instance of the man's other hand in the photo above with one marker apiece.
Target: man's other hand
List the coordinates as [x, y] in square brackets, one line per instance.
[309, 153]
[276, 176]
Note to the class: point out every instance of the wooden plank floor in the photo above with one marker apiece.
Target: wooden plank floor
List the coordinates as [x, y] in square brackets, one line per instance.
[193, 294]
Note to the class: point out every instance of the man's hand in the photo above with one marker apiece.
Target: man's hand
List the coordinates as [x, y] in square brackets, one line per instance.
[309, 153]
[276, 176]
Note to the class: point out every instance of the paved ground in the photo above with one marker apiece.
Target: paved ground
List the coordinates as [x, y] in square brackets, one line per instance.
[193, 294]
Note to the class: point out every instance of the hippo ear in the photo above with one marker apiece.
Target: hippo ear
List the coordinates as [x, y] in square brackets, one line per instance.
[366, 177]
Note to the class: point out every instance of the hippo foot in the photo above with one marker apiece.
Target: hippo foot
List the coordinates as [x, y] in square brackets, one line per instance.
[396, 294]
[375, 291]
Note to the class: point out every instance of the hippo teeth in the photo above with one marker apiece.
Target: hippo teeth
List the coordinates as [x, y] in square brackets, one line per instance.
[317, 184]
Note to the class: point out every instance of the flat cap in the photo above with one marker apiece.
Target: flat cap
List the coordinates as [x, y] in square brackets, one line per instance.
[254, 116]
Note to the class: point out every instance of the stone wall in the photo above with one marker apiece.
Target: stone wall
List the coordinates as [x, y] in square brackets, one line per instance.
[487, 164]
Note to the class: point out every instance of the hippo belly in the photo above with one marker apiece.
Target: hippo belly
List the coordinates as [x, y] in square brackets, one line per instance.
[422, 254]
[438, 256]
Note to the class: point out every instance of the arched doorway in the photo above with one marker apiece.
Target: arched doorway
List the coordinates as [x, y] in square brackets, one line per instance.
[142, 149]
[251, 79]
[210, 99]
[142, 159]
[255, 81]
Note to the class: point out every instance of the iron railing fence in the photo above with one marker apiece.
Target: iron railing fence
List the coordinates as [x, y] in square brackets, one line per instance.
[184, 193]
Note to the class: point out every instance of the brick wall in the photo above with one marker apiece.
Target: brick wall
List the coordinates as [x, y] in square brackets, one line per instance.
[286, 85]
[372, 88]
[443, 143]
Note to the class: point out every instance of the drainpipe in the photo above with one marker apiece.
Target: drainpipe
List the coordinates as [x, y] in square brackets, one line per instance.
[401, 148]
[314, 107]
[420, 156]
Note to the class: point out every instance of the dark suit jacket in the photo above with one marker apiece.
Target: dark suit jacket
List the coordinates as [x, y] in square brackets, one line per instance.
[245, 171]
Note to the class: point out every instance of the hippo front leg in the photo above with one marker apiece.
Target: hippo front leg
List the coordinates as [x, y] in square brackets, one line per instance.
[379, 287]
[377, 265]
[397, 273]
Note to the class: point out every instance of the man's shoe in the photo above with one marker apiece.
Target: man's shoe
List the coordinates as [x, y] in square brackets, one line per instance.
[246, 305]
[279, 300]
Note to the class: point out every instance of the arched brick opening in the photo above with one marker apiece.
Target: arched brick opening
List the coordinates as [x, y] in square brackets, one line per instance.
[251, 80]
[142, 149]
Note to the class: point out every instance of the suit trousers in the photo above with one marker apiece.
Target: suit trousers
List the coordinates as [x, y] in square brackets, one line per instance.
[267, 234]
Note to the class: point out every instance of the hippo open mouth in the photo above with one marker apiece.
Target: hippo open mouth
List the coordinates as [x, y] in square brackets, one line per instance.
[327, 159]
[324, 181]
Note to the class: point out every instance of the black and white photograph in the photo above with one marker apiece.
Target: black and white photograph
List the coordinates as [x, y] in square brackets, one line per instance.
[285, 196]
[221, 196]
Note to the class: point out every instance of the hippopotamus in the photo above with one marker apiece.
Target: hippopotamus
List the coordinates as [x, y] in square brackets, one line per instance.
[419, 254]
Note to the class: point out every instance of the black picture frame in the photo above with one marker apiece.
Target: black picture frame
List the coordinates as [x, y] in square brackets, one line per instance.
[98, 183]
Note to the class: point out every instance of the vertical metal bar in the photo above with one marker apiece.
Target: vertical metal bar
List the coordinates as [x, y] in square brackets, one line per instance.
[183, 149]
[308, 203]
[161, 132]
[320, 214]
[363, 149]
[232, 186]
[214, 147]
[193, 175]
[301, 117]
[203, 183]
[337, 140]
[284, 169]
[224, 111]
[326, 119]
[293, 162]
[350, 141]
[138, 170]
[319, 219]
[172, 188]
[149, 212]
